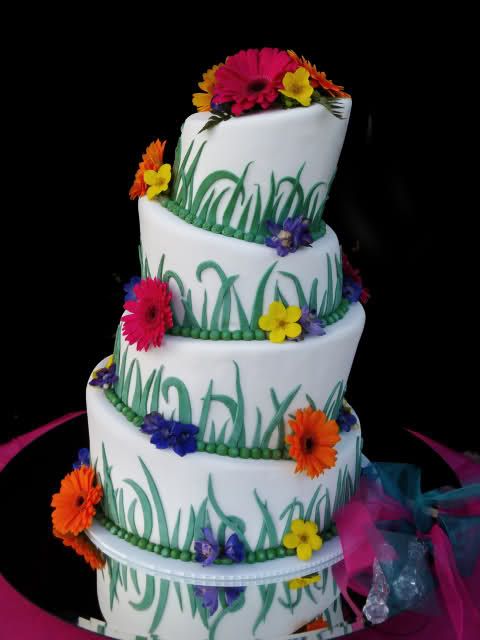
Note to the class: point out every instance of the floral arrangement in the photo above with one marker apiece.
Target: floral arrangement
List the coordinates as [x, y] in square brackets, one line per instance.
[262, 79]
[289, 236]
[169, 434]
[291, 323]
[153, 176]
[149, 313]
[208, 596]
[207, 549]
[303, 537]
[353, 289]
[346, 420]
[312, 443]
[104, 377]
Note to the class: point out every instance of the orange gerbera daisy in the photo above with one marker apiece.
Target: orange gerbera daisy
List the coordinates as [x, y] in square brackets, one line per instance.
[318, 78]
[203, 100]
[74, 504]
[312, 441]
[82, 545]
[152, 161]
[317, 624]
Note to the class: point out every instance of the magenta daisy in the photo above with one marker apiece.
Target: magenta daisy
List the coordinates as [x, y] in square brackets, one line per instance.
[251, 78]
[150, 315]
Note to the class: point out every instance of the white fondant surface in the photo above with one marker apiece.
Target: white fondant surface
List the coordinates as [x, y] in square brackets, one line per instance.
[318, 364]
[237, 485]
[185, 247]
[278, 141]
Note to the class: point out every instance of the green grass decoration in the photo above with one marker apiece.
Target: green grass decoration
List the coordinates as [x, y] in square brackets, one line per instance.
[334, 402]
[128, 379]
[238, 434]
[114, 575]
[134, 577]
[131, 517]
[157, 502]
[222, 434]
[235, 606]
[258, 430]
[288, 603]
[267, 593]
[302, 301]
[309, 511]
[212, 437]
[258, 304]
[268, 524]
[144, 394]
[148, 597]
[121, 511]
[192, 599]
[235, 524]
[289, 512]
[176, 530]
[189, 538]
[162, 603]
[156, 390]
[309, 594]
[109, 504]
[146, 508]
[137, 395]
[278, 416]
[179, 595]
[184, 407]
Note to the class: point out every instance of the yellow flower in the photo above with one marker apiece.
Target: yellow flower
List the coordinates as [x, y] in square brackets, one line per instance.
[299, 583]
[157, 180]
[304, 538]
[297, 86]
[202, 100]
[281, 322]
[107, 366]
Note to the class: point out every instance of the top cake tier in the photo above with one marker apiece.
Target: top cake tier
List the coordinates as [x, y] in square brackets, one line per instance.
[260, 167]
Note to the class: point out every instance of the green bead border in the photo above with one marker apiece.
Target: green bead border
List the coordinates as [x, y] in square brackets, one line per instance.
[230, 232]
[214, 334]
[254, 453]
[252, 557]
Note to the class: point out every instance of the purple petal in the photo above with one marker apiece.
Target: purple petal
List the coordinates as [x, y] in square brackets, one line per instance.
[234, 549]
[232, 593]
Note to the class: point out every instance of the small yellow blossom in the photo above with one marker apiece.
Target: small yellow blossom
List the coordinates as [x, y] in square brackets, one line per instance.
[203, 100]
[297, 86]
[304, 538]
[281, 322]
[157, 180]
[300, 583]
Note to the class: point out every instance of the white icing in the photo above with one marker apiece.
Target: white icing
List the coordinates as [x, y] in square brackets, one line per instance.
[183, 482]
[185, 247]
[278, 141]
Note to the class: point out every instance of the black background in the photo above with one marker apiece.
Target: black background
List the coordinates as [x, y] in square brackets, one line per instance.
[89, 96]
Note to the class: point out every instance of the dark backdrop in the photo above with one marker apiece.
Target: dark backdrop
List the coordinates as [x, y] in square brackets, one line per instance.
[92, 99]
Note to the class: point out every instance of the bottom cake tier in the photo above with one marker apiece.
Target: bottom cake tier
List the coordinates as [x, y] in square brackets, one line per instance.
[162, 502]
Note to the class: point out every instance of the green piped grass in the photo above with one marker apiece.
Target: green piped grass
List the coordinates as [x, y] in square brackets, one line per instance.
[199, 204]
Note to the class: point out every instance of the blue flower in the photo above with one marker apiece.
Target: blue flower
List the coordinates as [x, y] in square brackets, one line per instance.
[129, 288]
[311, 323]
[83, 458]
[168, 434]
[287, 238]
[352, 290]
[346, 420]
[234, 549]
[105, 377]
[208, 597]
[206, 549]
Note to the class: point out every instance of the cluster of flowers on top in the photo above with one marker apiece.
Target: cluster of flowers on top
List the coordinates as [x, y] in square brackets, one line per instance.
[262, 78]
[153, 175]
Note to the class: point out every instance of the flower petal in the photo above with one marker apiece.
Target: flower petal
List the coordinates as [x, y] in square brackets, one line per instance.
[267, 323]
[165, 172]
[293, 330]
[304, 551]
[277, 335]
[277, 310]
[310, 528]
[290, 540]
[293, 314]
[150, 177]
[154, 191]
[315, 542]
[298, 527]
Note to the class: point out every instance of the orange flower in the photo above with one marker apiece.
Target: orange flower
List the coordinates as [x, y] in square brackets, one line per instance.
[203, 100]
[74, 505]
[82, 545]
[317, 624]
[312, 441]
[152, 161]
[319, 78]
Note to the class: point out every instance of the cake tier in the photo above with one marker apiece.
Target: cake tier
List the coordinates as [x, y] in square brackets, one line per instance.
[165, 499]
[239, 393]
[222, 285]
[270, 165]
[134, 602]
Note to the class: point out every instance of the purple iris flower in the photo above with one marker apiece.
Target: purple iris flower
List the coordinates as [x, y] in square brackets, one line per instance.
[352, 290]
[232, 593]
[311, 323]
[129, 288]
[208, 597]
[206, 549]
[168, 434]
[346, 420]
[105, 377]
[184, 440]
[234, 549]
[83, 458]
[287, 238]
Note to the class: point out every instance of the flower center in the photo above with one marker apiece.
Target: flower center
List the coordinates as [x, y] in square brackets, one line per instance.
[79, 501]
[296, 89]
[151, 313]
[309, 445]
[285, 238]
[303, 538]
[257, 85]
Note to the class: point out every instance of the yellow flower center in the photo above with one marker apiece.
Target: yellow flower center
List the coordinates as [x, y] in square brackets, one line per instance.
[303, 538]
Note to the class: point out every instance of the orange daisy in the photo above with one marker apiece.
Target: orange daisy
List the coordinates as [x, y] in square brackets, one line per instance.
[74, 504]
[152, 161]
[317, 624]
[203, 100]
[83, 547]
[312, 441]
[319, 78]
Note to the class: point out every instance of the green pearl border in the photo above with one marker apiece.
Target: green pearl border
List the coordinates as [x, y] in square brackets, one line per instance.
[246, 453]
[214, 334]
[230, 232]
[252, 557]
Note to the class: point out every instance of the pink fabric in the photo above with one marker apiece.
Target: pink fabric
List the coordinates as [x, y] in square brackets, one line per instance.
[19, 618]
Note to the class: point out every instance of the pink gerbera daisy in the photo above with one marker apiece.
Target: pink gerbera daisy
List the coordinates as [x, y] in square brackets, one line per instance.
[252, 77]
[150, 314]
